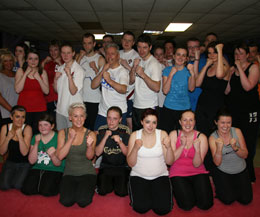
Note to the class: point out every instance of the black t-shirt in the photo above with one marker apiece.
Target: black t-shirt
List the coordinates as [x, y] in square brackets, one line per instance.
[112, 155]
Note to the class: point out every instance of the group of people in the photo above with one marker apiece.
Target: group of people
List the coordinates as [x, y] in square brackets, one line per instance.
[172, 102]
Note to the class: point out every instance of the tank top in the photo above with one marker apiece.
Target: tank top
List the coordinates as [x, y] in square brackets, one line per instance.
[77, 163]
[14, 153]
[239, 99]
[32, 97]
[150, 162]
[231, 162]
[184, 165]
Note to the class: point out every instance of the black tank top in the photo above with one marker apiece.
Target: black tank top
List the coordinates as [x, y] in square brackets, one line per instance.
[14, 153]
[239, 99]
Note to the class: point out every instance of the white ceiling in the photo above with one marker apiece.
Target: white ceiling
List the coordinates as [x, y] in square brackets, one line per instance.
[59, 19]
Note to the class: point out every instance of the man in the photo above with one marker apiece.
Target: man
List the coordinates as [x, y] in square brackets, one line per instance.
[107, 39]
[91, 62]
[211, 36]
[127, 56]
[114, 80]
[169, 47]
[253, 53]
[146, 74]
[193, 45]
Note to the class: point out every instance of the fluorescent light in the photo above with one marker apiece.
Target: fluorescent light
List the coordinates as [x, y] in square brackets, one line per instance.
[153, 32]
[177, 27]
[115, 33]
[99, 36]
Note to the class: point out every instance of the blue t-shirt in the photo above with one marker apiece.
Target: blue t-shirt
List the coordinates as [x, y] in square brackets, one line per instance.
[178, 98]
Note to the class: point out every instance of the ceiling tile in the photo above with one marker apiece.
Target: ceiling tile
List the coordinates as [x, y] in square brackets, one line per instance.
[173, 6]
[200, 6]
[187, 17]
[111, 5]
[135, 17]
[49, 5]
[135, 6]
[161, 17]
[212, 18]
[59, 16]
[81, 16]
[110, 16]
[78, 5]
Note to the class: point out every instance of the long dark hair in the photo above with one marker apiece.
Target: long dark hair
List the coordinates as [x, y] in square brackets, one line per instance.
[25, 65]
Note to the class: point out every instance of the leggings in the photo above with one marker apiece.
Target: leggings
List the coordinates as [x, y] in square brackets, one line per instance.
[77, 189]
[190, 191]
[153, 194]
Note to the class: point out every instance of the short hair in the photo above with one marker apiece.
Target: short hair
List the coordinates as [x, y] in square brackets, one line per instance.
[4, 55]
[243, 46]
[144, 38]
[55, 43]
[193, 39]
[171, 41]
[45, 116]
[147, 112]
[17, 108]
[111, 45]
[158, 46]
[67, 44]
[253, 44]
[188, 110]
[129, 33]
[116, 109]
[88, 35]
[181, 47]
[77, 105]
[212, 33]
[34, 51]
[109, 36]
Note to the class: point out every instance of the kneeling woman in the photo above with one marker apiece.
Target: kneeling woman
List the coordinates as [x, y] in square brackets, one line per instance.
[15, 140]
[190, 180]
[45, 176]
[77, 145]
[228, 148]
[149, 151]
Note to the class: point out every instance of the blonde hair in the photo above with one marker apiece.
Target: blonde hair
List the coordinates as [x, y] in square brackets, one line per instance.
[77, 105]
[4, 55]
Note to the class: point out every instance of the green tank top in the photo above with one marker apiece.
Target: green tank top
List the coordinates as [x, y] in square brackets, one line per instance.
[77, 163]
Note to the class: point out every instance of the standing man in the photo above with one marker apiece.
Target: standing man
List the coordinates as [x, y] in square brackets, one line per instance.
[146, 74]
[114, 80]
[91, 62]
[169, 47]
[127, 57]
[107, 39]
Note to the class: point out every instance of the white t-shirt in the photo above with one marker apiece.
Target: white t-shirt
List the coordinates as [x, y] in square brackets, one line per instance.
[110, 97]
[144, 96]
[8, 93]
[89, 94]
[129, 56]
[65, 99]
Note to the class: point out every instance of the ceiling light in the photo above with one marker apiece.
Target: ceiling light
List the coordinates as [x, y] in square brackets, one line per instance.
[177, 27]
[99, 36]
[115, 33]
[153, 32]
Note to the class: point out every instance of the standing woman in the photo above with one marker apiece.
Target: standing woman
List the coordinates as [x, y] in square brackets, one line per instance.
[213, 80]
[15, 139]
[8, 96]
[228, 148]
[178, 80]
[149, 152]
[20, 52]
[31, 82]
[77, 145]
[45, 175]
[243, 101]
[190, 180]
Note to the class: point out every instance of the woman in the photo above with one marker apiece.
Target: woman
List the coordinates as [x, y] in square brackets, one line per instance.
[213, 80]
[45, 176]
[15, 139]
[112, 141]
[228, 149]
[177, 82]
[8, 96]
[77, 145]
[149, 150]
[20, 52]
[190, 180]
[31, 82]
[243, 101]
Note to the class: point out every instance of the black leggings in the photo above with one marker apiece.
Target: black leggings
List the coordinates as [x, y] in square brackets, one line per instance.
[110, 179]
[77, 189]
[153, 194]
[233, 187]
[193, 191]
[42, 182]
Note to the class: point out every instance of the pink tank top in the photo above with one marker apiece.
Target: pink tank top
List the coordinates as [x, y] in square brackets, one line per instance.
[184, 166]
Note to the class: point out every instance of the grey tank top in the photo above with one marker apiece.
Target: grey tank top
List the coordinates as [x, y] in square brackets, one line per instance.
[231, 162]
[77, 163]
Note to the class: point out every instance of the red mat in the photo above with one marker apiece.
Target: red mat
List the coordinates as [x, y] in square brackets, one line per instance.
[15, 204]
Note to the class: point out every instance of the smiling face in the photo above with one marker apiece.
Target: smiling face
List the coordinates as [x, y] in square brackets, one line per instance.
[212, 54]
[77, 117]
[8, 63]
[187, 121]
[224, 124]
[45, 127]
[149, 123]
[112, 56]
[18, 118]
[33, 60]
[113, 120]
[180, 56]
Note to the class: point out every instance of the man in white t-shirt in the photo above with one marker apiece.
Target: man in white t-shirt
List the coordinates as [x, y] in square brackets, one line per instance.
[114, 80]
[146, 74]
[127, 57]
[92, 63]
